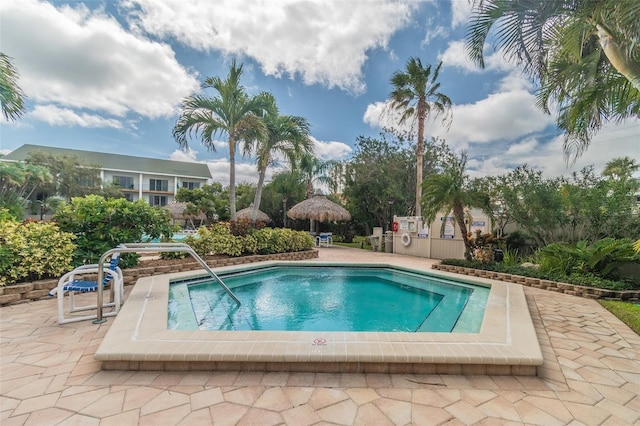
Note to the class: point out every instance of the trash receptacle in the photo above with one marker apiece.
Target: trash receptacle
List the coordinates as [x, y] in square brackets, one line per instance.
[388, 242]
[375, 242]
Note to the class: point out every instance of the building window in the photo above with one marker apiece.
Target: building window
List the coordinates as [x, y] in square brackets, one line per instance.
[128, 197]
[191, 185]
[158, 200]
[158, 185]
[125, 182]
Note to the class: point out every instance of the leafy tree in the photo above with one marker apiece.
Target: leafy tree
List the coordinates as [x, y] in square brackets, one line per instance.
[11, 95]
[100, 225]
[18, 181]
[376, 183]
[416, 95]
[450, 191]
[71, 177]
[287, 135]
[584, 53]
[231, 112]
[285, 189]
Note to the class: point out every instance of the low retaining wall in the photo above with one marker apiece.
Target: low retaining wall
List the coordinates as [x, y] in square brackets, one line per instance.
[575, 290]
[25, 292]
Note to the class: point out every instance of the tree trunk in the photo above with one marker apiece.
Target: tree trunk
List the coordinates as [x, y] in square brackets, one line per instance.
[232, 177]
[458, 213]
[618, 59]
[419, 155]
[258, 196]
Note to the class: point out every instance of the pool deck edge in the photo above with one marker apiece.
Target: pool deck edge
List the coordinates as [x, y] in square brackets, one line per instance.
[138, 340]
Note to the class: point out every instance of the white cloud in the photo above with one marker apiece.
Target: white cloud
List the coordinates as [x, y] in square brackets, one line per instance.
[456, 56]
[502, 115]
[331, 150]
[614, 141]
[56, 116]
[188, 155]
[245, 172]
[323, 42]
[76, 58]
[460, 12]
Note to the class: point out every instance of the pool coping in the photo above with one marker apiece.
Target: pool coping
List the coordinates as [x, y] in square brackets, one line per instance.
[139, 340]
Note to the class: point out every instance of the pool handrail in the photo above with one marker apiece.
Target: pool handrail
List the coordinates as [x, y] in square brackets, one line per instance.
[152, 247]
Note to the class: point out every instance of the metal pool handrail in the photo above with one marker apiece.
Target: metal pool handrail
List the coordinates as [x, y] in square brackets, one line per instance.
[152, 247]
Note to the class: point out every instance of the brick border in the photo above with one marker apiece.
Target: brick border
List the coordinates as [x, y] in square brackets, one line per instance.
[575, 290]
[25, 292]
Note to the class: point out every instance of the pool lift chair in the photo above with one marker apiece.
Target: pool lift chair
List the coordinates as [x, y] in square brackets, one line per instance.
[69, 284]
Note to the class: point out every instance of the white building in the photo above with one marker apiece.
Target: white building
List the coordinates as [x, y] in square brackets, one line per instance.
[155, 181]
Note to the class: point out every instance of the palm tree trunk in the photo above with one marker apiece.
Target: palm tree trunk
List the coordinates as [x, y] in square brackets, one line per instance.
[419, 155]
[258, 197]
[458, 213]
[618, 59]
[232, 178]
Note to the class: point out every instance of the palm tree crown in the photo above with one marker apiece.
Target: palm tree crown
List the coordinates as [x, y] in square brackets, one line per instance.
[450, 191]
[416, 95]
[232, 112]
[11, 96]
[585, 54]
[287, 135]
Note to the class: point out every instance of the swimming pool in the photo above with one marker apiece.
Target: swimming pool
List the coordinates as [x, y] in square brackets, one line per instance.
[138, 338]
[328, 299]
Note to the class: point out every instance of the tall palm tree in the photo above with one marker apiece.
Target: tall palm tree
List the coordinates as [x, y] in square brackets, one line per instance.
[314, 170]
[450, 191]
[287, 135]
[11, 96]
[416, 95]
[585, 53]
[232, 112]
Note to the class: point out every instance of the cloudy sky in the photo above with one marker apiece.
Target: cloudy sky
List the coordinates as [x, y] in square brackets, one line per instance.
[108, 76]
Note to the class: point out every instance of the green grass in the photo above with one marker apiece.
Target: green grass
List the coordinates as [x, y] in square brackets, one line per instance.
[628, 313]
[352, 245]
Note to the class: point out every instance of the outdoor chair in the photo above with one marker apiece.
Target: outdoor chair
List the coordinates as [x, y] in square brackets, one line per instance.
[68, 283]
[324, 239]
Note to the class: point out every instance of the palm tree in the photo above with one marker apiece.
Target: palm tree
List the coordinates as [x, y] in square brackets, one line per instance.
[232, 112]
[620, 169]
[585, 53]
[11, 96]
[314, 170]
[416, 96]
[287, 135]
[450, 191]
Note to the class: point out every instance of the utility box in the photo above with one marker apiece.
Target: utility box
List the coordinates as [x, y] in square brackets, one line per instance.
[376, 238]
[388, 242]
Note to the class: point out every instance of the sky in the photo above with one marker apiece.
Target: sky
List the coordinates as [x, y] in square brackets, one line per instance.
[109, 76]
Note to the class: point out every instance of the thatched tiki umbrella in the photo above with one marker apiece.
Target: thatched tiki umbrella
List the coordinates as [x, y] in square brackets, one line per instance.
[246, 214]
[319, 208]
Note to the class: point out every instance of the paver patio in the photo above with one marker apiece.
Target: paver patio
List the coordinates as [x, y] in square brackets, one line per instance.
[591, 376]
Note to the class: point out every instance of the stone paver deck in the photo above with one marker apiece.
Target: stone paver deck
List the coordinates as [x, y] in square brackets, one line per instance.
[590, 375]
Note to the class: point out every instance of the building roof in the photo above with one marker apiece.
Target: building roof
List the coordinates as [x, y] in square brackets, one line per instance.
[118, 162]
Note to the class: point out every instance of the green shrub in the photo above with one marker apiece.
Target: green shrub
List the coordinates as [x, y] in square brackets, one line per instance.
[601, 258]
[216, 240]
[100, 225]
[362, 241]
[33, 250]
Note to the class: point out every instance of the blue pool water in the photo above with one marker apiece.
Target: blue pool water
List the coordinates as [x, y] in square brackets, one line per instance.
[321, 298]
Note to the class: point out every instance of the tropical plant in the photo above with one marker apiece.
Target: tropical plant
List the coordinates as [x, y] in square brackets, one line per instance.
[33, 250]
[18, 181]
[231, 112]
[416, 96]
[100, 225]
[601, 258]
[450, 191]
[11, 95]
[584, 53]
[287, 135]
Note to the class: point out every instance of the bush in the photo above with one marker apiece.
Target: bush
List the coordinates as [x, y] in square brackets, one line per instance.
[100, 225]
[600, 259]
[33, 250]
[220, 240]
